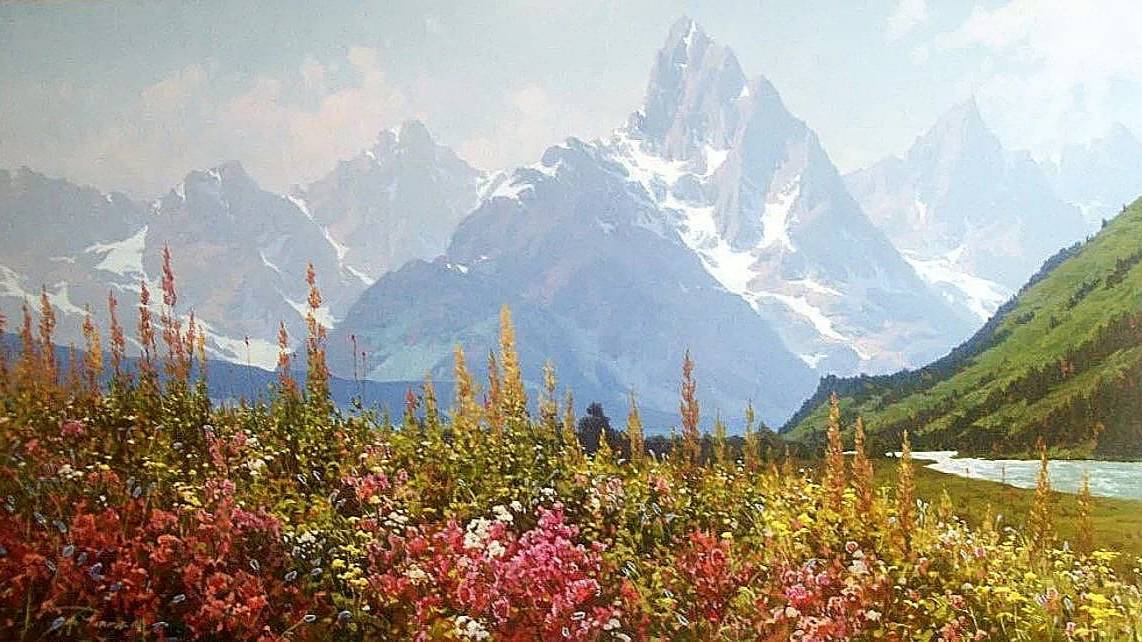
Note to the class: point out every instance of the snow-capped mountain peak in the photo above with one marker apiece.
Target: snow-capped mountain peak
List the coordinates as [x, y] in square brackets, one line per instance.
[691, 95]
[398, 200]
[748, 187]
[974, 219]
[240, 252]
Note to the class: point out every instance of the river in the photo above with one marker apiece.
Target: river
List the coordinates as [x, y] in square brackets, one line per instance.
[1119, 479]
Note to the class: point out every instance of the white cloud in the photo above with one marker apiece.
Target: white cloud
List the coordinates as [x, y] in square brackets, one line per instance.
[1077, 65]
[532, 121]
[312, 73]
[908, 15]
[285, 130]
[287, 142]
[175, 90]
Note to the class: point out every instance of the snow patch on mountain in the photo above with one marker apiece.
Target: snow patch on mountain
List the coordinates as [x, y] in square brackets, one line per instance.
[11, 285]
[266, 262]
[814, 286]
[301, 205]
[246, 350]
[715, 158]
[776, 218]
[323, 315]
[972, 218]
[339, 248]
[695, 222]
[511, 187]
[982, 296]
[124, 257]
[60, 298]
[361, 276]
[803, 307]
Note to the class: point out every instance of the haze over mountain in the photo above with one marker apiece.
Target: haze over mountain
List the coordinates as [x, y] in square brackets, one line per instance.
[749, 188]
[240, 252]
[974, 219]
[713, 220]
[64, 237]
[596, 283]
[1102, 176]
[399, 200]
[1060, 361]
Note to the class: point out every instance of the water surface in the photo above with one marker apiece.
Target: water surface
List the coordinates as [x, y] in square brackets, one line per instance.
[1122, 479]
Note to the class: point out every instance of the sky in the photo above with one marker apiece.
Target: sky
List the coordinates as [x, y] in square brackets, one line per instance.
[130, 96]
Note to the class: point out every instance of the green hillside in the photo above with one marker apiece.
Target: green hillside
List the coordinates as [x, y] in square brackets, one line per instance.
[1062, 360]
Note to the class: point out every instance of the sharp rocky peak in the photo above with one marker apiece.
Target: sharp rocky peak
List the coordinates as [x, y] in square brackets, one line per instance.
[230, 172]
[960, 132]
[411, 140]
[691, 94]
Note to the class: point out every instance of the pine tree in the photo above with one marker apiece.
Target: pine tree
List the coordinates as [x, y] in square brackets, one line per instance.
[1085, 539]
[1040, 525]
[514, 396]
[691, 439]
[189, 345]
[905, 491]
[834, 480]
[945, 509]
[635, 434]
[862, 471]
[202, 360]
[603, 452]
[987, 525]
[74, 379]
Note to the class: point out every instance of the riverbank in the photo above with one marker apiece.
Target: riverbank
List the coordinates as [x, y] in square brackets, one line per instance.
[1117, 522]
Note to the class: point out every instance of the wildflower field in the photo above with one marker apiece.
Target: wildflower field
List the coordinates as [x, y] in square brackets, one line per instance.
[138, 509]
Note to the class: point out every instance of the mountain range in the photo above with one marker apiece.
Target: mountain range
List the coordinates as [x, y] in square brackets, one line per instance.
[974, 219]
[240, 253]
[1100, 177]
[712, 217]
[712, 220]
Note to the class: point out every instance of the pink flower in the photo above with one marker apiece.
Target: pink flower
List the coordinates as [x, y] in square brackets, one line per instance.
[797, 594]
[71, 428]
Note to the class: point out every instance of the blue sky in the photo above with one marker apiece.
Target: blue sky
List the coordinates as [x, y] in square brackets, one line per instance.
[131, 96]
